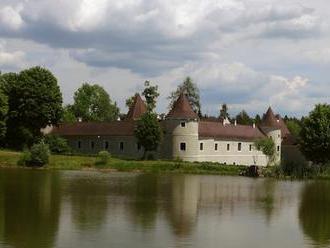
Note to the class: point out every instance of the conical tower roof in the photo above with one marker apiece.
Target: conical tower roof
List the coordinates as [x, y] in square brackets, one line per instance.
[137, 109]
[269, 119]
[182, 109]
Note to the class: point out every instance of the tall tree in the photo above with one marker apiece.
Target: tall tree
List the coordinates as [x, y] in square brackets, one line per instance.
[189, 88]
[93, 103]
[224, 111]
[129, 101]
[35, 101]
[243, 118]
[68, 114]
[315, 134]
[257, 119]
[3, 110]
[151, 94]
[148, 132]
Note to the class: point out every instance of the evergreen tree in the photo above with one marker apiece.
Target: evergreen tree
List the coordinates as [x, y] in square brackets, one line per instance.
[243, 118]
[224, 112]
[189, 88]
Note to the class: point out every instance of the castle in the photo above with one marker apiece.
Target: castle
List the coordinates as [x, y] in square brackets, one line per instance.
[186, 136]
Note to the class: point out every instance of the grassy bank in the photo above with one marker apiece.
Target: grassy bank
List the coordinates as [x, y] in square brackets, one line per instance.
[60, 162]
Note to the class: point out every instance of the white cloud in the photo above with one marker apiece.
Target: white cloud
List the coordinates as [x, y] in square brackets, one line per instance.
[250, 53]
[11, 59]
[10, 18]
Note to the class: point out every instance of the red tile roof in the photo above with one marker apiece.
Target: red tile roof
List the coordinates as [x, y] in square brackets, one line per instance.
[137, 109]
[114, 128]
[238, 132]
[182, 109]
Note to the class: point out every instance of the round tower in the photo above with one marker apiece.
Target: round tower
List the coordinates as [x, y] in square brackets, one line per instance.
[271, 125]
[181, 131]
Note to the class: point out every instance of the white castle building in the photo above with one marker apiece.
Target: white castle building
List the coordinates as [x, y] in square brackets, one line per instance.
[186, 136]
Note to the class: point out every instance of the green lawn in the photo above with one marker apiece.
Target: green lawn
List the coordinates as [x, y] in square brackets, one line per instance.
[61, 162]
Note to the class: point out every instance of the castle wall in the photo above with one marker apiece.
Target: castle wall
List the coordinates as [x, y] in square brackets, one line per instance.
[129, 145]
[244, 156]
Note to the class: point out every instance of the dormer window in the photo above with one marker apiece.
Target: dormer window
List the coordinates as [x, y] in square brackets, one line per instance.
[183, 124]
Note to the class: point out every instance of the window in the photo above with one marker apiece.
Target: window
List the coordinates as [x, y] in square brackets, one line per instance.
[250, 147]
[182, 146]
[92, 144]
[138, 145]
[201, 146]
[239, 146]
[278, 148]
[183, 124]
[106, 145]
[228, 147]
[79, 144]
[216, 146]
[121, 146]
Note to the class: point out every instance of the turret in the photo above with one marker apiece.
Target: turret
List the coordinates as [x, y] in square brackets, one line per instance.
[137, 109]
[271, 126]
[181, 131]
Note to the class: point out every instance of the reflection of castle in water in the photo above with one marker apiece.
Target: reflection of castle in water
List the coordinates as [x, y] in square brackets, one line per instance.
[183, 203]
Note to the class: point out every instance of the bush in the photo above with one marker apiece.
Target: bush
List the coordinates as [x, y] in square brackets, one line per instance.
[24, 159]
[57, 144]
[103, 157]
[39, 155]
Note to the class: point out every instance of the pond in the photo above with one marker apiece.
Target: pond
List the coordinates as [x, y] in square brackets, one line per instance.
[40, 208]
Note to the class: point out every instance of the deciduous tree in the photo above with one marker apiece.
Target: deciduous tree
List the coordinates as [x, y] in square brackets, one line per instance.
[148, 132]
[93, 103]
[315, 134]
[35, 101]
[151, 94]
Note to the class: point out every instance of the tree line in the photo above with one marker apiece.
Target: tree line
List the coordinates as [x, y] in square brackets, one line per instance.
[31, 100]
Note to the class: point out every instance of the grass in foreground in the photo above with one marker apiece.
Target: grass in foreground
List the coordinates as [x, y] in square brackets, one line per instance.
[62, 162]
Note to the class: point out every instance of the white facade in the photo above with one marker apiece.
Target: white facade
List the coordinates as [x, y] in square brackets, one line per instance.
[183, 141]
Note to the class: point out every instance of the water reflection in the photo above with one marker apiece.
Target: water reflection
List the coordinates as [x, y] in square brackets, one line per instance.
[314, 212]
[89, 201]
[143, 203]
[182, 204]
[30, 208]
[86, 209]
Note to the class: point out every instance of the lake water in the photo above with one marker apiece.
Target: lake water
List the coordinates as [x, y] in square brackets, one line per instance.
[93, 209]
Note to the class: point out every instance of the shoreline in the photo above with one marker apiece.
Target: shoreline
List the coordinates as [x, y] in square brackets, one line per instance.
[9, 159]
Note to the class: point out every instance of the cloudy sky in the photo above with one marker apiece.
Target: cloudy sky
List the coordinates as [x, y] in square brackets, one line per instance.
[247, 53]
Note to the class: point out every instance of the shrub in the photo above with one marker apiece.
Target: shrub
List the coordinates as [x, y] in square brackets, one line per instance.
[267, 146]
[103, 157]
[24, 159]
[57, 144]
[39, 155]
